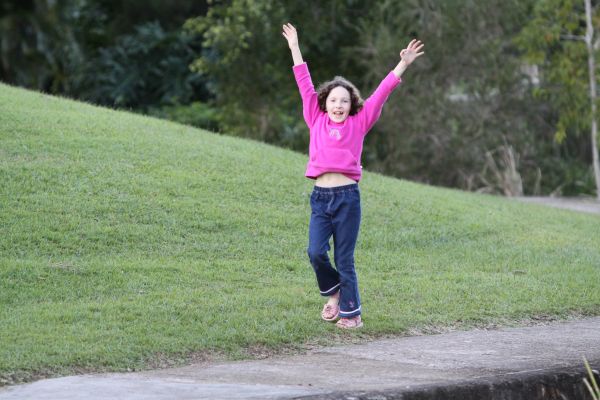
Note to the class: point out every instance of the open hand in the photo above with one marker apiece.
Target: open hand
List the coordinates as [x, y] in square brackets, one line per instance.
[412, 51]
[289, 32]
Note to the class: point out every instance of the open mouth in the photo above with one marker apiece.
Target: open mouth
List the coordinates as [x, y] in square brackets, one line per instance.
[338, 113]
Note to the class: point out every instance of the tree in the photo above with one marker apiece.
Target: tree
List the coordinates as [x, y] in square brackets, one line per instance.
[128, 53]
[590, 46]
[39, 48]
[462, 118]
[560, 40]
[249, 65]
[463, 100]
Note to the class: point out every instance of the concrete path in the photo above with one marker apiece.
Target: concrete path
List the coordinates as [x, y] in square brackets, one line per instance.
[588, 205]
[395, 365]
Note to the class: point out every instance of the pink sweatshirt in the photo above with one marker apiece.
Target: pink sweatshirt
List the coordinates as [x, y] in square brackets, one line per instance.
[337, 147]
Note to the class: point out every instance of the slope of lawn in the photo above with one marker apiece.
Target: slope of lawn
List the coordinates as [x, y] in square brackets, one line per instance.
[128, 242]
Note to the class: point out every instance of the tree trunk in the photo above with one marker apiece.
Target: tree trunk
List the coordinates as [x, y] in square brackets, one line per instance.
[589, 35]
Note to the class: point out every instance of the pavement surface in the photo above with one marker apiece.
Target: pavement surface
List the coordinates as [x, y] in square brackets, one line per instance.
[587, 205]
[395, 365]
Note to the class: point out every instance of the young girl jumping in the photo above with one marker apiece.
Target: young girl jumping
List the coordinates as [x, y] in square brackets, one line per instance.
[338, 120]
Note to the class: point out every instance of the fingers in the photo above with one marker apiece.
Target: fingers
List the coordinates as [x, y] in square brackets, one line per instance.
[289, 32]
[289, 28]
[416, 45]
[414, 48]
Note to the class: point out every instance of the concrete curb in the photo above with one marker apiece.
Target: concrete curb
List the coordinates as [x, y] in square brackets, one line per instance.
[551, 384]
[535, 362]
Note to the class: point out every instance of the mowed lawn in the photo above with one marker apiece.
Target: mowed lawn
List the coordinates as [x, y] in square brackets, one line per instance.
[129, 242]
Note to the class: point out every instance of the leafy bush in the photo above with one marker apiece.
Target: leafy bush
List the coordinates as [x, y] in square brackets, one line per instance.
[197, 114]
[147, 68]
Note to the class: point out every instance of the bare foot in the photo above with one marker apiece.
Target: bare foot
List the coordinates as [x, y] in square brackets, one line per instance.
[334, 299]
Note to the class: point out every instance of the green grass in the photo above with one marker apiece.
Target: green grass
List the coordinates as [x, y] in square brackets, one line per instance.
[127, 240]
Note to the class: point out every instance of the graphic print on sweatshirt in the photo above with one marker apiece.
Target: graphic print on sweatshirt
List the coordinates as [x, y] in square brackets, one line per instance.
[335, 133]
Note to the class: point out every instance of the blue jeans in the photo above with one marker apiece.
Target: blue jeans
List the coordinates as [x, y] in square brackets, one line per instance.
[335, 211]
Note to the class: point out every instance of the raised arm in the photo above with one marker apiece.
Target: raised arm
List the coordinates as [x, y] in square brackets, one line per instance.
[289, 32]
[373, 105]
[310, 103]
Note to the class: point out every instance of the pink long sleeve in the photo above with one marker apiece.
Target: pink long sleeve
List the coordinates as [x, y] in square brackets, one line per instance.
[372, 107]
[310, 104]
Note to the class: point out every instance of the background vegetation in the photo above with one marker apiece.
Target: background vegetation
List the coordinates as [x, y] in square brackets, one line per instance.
[498, 104]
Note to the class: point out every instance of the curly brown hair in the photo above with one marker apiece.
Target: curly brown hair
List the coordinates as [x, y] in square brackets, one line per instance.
[356, 102]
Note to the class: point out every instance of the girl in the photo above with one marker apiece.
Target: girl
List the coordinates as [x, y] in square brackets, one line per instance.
[338, 120]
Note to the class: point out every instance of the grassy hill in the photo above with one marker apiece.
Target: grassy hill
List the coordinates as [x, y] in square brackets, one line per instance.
[130, 242]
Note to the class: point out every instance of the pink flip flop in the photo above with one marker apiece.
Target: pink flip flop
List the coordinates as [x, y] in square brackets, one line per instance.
[350, 323]
[330, 312]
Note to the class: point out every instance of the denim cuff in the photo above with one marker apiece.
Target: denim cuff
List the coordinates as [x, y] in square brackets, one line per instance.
[350, 314]
[331, 291]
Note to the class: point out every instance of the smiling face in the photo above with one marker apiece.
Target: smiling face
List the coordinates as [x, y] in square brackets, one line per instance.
[338, 104]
